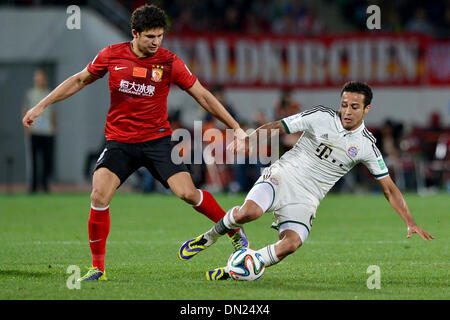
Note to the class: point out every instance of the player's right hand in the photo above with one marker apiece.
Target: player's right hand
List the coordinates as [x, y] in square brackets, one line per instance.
[239, 142]
[29, 117]
[422, 233]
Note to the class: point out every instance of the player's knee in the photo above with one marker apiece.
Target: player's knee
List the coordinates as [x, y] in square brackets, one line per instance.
[247, 213]
[99, 198]
[189, 195]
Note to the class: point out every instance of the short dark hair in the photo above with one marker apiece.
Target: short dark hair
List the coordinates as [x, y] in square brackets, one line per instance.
[359, 87]
[148, 17]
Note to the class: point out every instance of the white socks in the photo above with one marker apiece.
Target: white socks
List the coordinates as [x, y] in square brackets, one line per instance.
[228, 220]
[268, 255]
[225, 225]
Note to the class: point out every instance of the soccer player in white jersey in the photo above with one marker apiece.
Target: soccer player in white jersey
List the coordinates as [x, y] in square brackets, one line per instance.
[332, 143]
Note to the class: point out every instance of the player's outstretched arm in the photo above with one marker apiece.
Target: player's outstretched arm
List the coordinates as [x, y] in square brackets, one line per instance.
[210, 103]
[67, 88]
[398, 203]
[270, 129]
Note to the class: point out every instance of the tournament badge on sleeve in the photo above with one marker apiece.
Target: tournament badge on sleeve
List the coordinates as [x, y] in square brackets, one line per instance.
[157, 73]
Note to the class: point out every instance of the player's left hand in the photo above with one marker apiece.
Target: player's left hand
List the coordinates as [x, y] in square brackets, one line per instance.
[422, 233]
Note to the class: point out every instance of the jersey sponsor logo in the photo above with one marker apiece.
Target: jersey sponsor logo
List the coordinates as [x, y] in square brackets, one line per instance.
[119, 68]
[139, 72]
[323, 151]
[139, 89]
[157, 73]
[352, 151]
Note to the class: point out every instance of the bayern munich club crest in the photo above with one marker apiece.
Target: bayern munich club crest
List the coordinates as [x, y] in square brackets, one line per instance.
[352, 151]
[274, 181]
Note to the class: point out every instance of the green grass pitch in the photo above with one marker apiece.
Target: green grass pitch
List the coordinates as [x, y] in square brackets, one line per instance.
[41, 236]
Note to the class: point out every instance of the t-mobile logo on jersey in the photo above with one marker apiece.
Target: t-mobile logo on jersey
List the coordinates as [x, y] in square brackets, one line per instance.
[137, 88]
[323, 151]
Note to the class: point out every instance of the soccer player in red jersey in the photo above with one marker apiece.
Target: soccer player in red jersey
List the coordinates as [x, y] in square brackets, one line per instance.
[137, 130]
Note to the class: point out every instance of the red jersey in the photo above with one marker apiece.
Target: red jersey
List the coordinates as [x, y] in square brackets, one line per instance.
[139, 88]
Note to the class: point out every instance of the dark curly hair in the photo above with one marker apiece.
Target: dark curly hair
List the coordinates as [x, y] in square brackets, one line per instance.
[148, 17]
[359, 87]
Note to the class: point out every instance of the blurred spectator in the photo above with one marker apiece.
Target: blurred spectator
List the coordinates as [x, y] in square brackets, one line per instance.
[246, 174]
[431, 135]
[252, 25]
[441, 164]
[392, 22]
[282, 17]
[427, 17]
[42, 134]
[283, 108]
[309, 24]
[285, 24]
[232, 22]
[91, 159]
[218, 176]
[218, 92]
[390, 148]
[420, 22]
[426, 148]
[447, 18]
[185, 22]
[430, 140]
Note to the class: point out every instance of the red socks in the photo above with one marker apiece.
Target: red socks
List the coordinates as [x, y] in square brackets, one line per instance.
[210, 208]
[98, 226]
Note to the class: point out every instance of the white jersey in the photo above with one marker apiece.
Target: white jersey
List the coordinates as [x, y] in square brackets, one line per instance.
[325, 152]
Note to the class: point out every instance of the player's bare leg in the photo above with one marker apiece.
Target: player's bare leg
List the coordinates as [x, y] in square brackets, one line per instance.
[183, 187]
[104, 184]
[258, 201]
[234, 218]
[289, 242]
[248, 212]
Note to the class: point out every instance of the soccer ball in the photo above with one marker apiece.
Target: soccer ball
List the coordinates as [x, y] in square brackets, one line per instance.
[245, 264]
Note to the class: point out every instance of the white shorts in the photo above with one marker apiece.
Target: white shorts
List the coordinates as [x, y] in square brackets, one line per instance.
[296, 217]
[291, 210]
